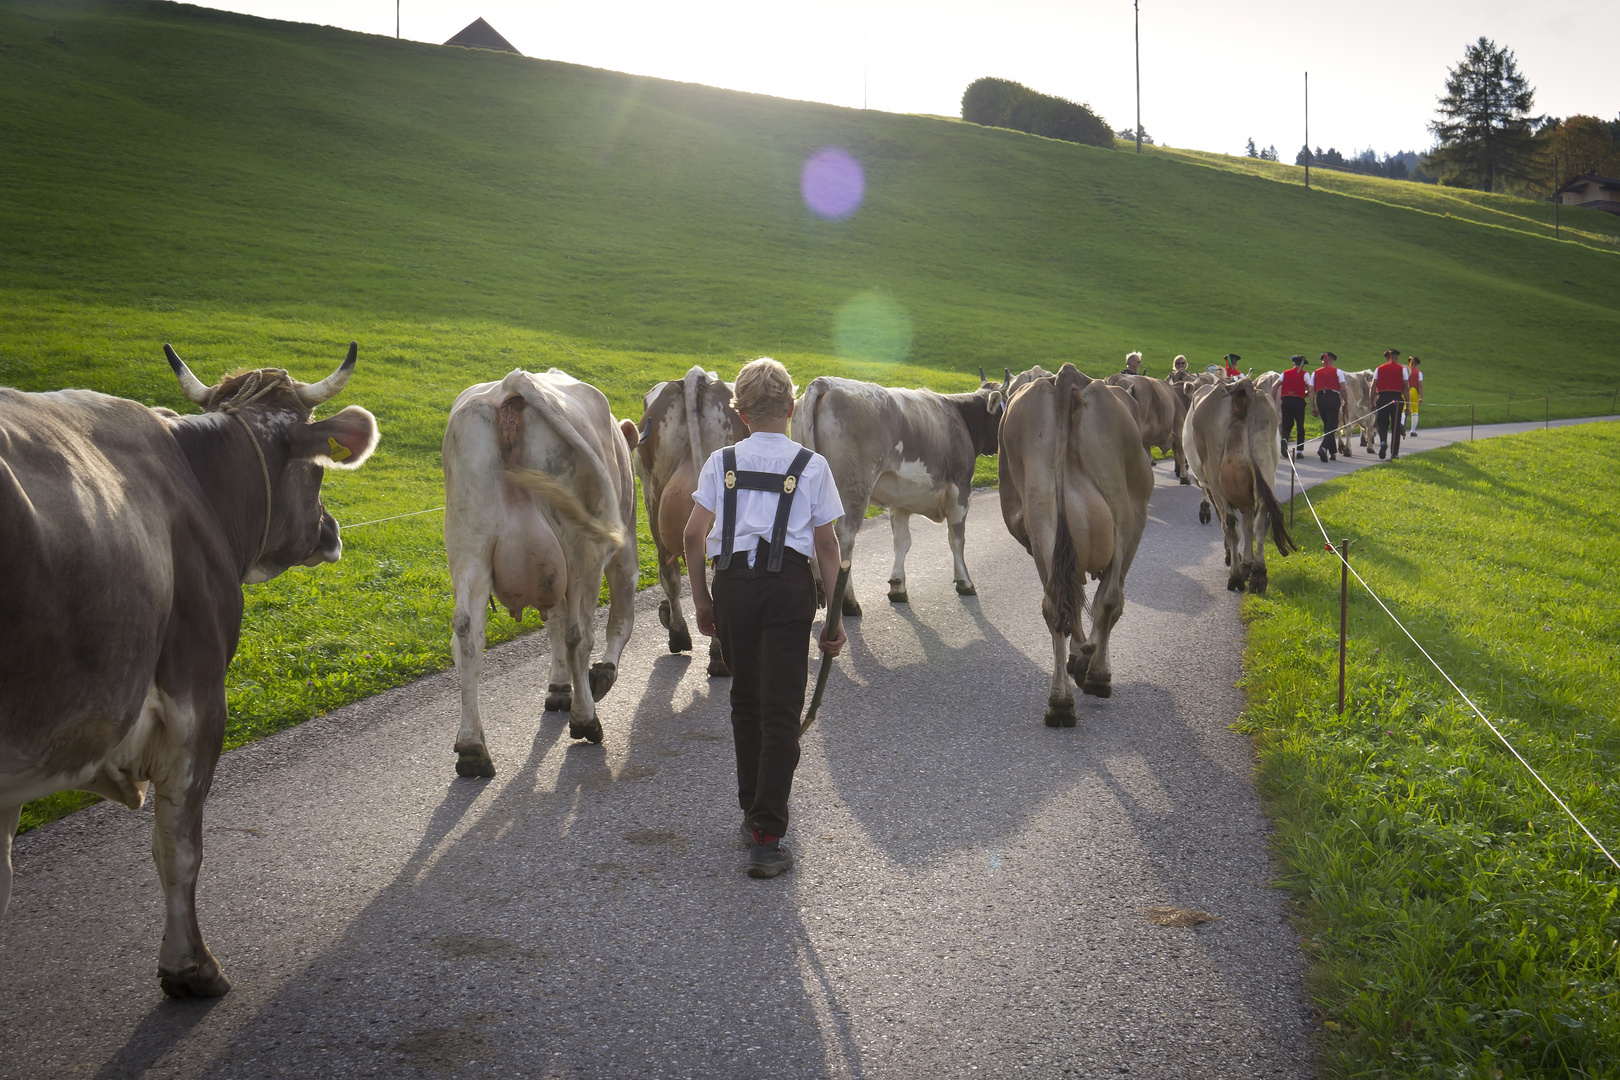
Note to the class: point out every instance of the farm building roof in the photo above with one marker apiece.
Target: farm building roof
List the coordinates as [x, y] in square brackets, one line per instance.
[480, 35]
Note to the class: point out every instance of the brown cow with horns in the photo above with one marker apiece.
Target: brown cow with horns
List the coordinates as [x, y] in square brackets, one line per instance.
[126, 535]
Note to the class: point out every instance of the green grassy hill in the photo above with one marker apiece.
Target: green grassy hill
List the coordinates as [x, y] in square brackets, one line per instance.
[260, 193]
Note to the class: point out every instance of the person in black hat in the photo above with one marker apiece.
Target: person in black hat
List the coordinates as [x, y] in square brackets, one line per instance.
[1295, 390]
[1329, 387]
[1231, 359]
[762, 510]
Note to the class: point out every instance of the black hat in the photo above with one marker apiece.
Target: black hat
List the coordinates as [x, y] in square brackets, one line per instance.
[1232, 356]
[1330, 356]
[1296, 359]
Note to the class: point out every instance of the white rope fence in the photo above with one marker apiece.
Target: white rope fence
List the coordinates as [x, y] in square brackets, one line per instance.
[395, 517]
[1444, 675]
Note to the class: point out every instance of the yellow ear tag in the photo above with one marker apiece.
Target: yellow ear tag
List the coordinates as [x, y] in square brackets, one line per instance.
[339, 451]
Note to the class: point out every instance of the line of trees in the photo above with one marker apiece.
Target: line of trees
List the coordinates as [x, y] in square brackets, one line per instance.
[1004, 103]
[1402, 165]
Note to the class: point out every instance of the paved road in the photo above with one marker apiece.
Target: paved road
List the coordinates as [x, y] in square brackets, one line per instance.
[969, 899]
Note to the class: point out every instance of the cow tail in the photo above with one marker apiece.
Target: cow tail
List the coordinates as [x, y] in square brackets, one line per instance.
[1065, 596]
[809, 409]
[570, 510]
[692, 388]
[567, 506]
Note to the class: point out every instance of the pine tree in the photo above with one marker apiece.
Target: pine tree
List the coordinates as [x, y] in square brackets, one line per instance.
[1250, 150]
[1484, 127]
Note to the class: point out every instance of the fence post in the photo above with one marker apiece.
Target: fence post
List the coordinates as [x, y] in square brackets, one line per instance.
[1292, 477]
[1470, 423]
[1344, 611]
[1545, 414]
[1614, 401]
[1510, 407]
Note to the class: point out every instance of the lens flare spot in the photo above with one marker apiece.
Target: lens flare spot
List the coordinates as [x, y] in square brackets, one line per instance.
[832, 183]
[872, 327]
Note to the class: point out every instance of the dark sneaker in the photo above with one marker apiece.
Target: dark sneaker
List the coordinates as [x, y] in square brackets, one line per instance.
[1321, 452]
[1382, 450]
[768, 860]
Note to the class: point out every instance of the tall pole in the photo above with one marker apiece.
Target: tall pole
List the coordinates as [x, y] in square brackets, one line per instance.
[1307, 130]
[1556, 197]
[1344, 612]
[1137, 5]
[396, 20]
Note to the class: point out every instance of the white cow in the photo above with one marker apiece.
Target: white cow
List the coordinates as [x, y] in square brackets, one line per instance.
[539, 502]
[910, 450]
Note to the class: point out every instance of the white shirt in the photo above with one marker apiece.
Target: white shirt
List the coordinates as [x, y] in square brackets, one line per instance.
[815, 500]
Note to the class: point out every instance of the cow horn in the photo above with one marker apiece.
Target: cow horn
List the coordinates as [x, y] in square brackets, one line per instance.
[190, 385]
[981, 374]
[329, 387]
[1008, 382]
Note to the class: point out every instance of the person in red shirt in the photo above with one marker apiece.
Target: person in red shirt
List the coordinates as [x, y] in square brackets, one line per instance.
[1329, 395]
[1296, 388]
[1389, 386]
[1232, 359]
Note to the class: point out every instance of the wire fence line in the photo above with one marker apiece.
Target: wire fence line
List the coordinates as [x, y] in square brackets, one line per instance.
[1334, 549]
[393, 517]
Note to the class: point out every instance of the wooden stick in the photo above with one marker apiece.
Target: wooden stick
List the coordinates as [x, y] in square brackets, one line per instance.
[835, 614]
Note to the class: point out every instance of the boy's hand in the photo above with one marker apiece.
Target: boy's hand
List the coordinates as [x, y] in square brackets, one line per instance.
[831, 648]
[703, 611]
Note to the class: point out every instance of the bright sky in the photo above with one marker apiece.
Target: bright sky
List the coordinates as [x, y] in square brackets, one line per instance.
[1213, 73]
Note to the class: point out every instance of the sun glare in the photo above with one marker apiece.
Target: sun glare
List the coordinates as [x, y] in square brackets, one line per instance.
[833, 183]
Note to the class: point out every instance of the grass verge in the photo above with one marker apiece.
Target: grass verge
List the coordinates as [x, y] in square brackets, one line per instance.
[1458, 924]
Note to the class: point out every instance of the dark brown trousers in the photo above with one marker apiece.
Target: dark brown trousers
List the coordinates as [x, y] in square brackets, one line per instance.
[763, 620]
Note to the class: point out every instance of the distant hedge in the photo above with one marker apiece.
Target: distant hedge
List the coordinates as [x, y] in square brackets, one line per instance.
[1004, 103]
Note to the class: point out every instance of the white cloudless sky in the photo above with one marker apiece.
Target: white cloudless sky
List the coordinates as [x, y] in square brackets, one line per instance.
[1213, 73]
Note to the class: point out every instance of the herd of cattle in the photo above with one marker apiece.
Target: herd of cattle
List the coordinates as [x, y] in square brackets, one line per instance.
[127, 532]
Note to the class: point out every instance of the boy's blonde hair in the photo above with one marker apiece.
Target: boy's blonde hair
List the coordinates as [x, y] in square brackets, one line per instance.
[764, 390]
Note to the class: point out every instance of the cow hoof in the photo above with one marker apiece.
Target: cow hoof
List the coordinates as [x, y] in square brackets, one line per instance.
[663, 613]
[199, 980]
[965, 588]
[591, 731]
[472, 759]
[1098, 688]
[1258, 582]
[1234, 583]
[898, 597]
[717, 664]
[1186, 482]
[559, 698]
[680, 640]
[1203, 514]
[1060, 714]
[852, 607]
[603, 676]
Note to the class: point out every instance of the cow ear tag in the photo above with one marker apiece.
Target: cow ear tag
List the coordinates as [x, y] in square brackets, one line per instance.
[339, 451]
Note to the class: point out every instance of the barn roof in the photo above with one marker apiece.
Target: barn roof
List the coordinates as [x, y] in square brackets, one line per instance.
[480, 35]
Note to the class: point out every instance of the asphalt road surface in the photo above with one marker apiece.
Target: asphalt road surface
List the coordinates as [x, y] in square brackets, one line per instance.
[969, 899]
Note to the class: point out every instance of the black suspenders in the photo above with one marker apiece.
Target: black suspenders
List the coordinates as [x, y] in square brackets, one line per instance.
[785, 484]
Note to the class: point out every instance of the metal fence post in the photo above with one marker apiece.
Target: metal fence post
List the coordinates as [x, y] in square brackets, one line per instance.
[1510, 407]
[1344, 611]
[1546, 422]
[1470, 423]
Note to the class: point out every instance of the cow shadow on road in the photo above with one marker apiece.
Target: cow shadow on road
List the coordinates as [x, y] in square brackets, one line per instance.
[583, 916]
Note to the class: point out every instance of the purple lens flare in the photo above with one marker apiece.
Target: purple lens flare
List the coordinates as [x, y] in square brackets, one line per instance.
[833, 183]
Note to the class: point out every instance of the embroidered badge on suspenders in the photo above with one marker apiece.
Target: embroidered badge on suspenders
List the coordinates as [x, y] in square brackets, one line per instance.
[784, 484]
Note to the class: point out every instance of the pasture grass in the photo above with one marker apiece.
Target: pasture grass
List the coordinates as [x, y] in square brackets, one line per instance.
[260, 193]
[1458, 924]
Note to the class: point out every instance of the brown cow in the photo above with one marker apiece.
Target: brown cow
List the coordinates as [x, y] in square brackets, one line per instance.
[126, 535]
[1233, 452]
[1075, 486]
[1161, 411]
[682, 423]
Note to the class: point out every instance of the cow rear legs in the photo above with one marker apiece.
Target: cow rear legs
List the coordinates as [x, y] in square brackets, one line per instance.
[957, 531]
[670, 615]
[1060, 698]
[472, 586]
[9, 816]
[583, 589]
[1106, 608]
[185, 966]
[900, 522]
